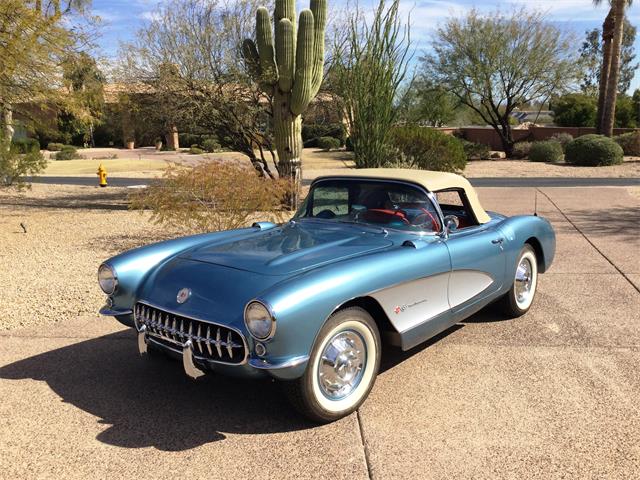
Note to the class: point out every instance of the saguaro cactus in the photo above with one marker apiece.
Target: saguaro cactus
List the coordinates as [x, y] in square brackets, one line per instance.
[290, 70]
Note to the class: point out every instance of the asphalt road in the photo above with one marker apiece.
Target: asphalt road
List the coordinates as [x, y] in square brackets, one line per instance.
[538, 182]
[553, 394]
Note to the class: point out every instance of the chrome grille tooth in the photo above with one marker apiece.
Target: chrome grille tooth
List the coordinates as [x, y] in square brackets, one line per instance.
[208, 341]
[229, 342]
[172, 329]
[218, 348]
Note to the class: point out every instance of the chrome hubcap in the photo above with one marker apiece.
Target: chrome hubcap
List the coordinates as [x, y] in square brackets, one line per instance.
[342, 365]
[524, 281]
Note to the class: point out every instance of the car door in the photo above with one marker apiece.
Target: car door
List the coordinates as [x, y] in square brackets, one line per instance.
[477, 257]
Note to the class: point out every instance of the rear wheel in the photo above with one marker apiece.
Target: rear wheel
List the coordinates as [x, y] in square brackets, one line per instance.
[342, 368]
[517, 301]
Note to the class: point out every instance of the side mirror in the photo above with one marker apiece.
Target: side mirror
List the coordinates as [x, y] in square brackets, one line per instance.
[451, 223]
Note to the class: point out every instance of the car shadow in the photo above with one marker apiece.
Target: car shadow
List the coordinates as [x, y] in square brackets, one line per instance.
[151, 402]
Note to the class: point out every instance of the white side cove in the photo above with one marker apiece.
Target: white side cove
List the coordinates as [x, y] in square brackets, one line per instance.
[466, 284]
[411, 303]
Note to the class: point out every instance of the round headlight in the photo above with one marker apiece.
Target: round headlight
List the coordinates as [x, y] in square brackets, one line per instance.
[107, 279]
[259, 322]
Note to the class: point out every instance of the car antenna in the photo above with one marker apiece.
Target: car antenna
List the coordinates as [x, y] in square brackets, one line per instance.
[535, 203]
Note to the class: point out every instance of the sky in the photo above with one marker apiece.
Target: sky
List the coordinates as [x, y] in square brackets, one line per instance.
[122, 18]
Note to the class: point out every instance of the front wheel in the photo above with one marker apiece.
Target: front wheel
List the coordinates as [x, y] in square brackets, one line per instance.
[517, 301]
[342, 368]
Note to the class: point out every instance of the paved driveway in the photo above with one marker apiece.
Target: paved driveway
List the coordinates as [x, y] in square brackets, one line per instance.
[553, 394]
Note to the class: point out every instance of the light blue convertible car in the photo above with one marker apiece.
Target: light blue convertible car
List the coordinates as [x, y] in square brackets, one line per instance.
[374, 256]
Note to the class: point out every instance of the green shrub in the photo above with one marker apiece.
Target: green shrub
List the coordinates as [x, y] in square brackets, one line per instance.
[630, 143]
[574, 110]
[14, 165]
[312, 132]
[54, 147]
[195, 150]
[68, 152]
[594, 150]
[328, 143]
[546, 151]
[476, 151]
[25, 145]
[211, 145]
[429, 149]
[188, 139]
[563, 138]
[521, 150]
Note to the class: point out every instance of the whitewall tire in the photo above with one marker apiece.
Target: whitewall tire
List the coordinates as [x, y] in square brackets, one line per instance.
[519, 298]
[342, 367]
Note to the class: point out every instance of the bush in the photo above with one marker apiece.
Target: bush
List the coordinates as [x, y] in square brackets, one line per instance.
[14, 165]
[546, 151]
[328, 143]
[68, 152]
[312, 132]
[630, 143]
[429, 149]
[476, 151]
[211, 196]
[211, 145]
[521, 150]
[594, 150]
[574, 110]
[55, 147]
[563, 138]
[196, 150]
[25, 145]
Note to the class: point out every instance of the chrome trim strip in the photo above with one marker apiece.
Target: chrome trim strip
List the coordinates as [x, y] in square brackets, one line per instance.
[110, 312]
[181, 345]
[262, 364]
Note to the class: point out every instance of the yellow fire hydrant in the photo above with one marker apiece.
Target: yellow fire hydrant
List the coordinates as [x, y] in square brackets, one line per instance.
[102, 176]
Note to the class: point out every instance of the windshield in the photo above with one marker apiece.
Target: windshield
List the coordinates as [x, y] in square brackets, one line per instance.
[380, 203]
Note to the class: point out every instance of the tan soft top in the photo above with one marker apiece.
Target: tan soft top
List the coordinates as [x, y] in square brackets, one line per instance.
[432, 181]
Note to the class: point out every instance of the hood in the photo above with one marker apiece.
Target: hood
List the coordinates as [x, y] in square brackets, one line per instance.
[291, 248]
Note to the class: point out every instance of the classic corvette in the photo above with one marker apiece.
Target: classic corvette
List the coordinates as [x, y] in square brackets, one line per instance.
[373, 256]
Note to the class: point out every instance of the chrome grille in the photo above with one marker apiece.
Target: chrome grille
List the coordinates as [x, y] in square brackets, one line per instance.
[209, 341]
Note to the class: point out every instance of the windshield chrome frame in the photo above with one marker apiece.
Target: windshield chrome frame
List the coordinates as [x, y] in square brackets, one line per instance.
[432, 198]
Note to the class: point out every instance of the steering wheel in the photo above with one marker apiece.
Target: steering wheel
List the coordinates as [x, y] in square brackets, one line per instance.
[428, 217]
[379, 214]
[325, 214]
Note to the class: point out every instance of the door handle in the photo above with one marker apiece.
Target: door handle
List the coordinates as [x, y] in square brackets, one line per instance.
[497, 241]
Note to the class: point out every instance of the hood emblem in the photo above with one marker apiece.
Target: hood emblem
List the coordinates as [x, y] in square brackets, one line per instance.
[183, 295]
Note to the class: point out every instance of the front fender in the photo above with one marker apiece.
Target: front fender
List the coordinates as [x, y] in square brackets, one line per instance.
[302, 304]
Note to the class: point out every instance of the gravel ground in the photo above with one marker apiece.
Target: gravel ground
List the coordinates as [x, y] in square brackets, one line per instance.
[525, 168]
[49, 273]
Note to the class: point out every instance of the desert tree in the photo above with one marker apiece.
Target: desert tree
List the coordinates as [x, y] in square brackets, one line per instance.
[499, 62]
[187, 66]
[591, 55]
[35, 38]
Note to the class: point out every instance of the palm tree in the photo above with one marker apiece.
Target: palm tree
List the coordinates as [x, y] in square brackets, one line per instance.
[612, 31]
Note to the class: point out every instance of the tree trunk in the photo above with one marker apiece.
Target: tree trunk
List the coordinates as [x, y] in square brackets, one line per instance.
[7, 125]
[609, 116]
[607, 34]
[288, 139]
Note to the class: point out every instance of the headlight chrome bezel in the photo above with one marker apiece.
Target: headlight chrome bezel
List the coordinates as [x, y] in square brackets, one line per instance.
[113, 278]
[268, 314]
